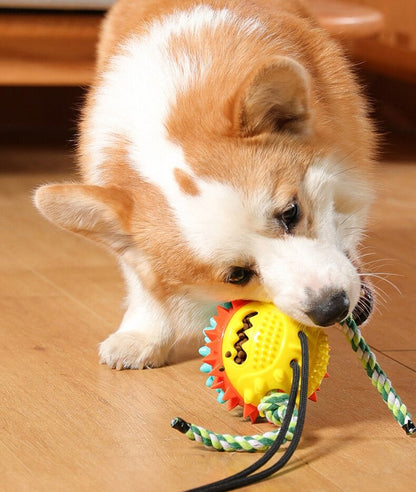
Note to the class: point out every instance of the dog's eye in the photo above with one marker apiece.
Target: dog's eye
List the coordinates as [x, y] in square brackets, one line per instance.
[290, 217]
[239, 276]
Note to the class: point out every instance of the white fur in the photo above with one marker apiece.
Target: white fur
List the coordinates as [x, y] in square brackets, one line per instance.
[230, 237]
[147, 331]
[289, 267]
[145, 68]
[295, 267]
[340, 203]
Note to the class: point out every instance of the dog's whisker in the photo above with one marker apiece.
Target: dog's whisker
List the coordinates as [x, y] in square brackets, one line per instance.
[380, 274]
[377, 262]
[379, 289]
[381, 296]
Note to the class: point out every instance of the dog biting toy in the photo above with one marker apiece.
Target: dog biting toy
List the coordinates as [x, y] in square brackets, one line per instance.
[257, 357]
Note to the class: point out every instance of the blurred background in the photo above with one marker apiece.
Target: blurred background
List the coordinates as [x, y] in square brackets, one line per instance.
[47, 51]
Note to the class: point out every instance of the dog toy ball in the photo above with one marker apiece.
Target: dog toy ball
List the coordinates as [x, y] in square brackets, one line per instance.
[248, 354]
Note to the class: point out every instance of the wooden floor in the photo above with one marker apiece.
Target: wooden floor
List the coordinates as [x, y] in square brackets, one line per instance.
[70, 424]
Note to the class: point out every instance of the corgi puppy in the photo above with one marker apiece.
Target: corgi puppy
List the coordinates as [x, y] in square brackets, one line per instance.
[225, 153]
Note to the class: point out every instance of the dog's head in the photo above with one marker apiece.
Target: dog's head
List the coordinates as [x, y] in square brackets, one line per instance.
[266, 207]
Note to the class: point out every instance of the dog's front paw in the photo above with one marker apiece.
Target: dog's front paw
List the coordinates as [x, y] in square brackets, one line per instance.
[131, 350]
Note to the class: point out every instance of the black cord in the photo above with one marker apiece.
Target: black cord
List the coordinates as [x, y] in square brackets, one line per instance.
[245, 477]
[217, 486]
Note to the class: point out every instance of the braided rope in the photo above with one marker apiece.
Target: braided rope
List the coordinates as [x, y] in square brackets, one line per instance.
[273, 406]
[378, 376]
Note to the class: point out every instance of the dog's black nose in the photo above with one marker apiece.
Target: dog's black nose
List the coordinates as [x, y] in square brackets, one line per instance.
[329, 308]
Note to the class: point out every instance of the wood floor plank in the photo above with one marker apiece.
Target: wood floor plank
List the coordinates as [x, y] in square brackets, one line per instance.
[393, 218]
[406, 357]
[99, 288]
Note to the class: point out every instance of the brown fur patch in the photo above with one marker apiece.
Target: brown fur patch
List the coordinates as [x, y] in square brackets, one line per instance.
[186, 182]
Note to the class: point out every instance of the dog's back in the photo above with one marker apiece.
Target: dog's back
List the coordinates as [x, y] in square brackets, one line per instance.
[337, 114]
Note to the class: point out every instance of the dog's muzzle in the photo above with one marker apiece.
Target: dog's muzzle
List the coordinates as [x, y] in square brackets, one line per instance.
[364, 306]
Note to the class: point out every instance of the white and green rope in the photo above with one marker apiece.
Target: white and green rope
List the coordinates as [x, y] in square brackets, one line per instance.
[378, 376]
[273, 405]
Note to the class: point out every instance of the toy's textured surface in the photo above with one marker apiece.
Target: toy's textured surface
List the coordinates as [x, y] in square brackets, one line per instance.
[249, 347]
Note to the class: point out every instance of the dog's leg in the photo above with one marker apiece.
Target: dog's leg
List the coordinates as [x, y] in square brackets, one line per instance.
[143, 340]
[145, 335]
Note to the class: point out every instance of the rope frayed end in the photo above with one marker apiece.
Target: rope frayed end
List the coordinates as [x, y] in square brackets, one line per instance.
[410, 428]
[180, 425]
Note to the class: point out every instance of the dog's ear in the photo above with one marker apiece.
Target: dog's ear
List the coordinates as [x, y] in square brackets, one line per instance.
[274, 99]
[101, 214]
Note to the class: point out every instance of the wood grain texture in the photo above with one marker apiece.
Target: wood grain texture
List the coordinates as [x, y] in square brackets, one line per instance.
[67, 423]
[49, 48]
